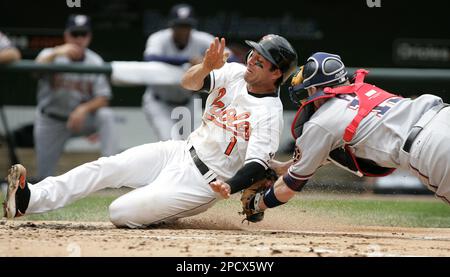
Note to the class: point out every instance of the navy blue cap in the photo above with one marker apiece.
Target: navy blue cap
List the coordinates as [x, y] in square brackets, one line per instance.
[78, 22]
[322, 69]
[182, 14]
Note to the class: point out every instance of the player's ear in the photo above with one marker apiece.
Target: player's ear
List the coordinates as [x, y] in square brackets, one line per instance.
[277, 74]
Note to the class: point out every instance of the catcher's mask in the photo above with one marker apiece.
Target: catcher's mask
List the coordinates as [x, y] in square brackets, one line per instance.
[278, 51]
[321, 69]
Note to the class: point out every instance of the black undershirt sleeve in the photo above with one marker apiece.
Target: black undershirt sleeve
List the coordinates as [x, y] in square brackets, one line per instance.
[206, 84]
[246, 176]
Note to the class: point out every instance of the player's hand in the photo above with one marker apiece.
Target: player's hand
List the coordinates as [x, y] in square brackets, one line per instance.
[77, 119]
[215, 57]
[221, 188]
[70, 50]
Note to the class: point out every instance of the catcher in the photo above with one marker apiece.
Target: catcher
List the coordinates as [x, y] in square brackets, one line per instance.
[361, 128]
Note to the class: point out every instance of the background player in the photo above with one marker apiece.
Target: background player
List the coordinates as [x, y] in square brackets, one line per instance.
[181, 45]
[72, 104]
[8, 53]
[240, 131]
[397, 133]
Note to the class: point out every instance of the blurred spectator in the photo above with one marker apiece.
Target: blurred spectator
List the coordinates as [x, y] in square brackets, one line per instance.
[8, 53]
[180, 45]
[72, 104]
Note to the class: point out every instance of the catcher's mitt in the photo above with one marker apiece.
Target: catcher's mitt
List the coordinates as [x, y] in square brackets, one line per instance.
[252, 195]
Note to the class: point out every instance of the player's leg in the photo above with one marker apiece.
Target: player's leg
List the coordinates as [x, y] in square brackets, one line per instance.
[107, 129]
[135, 167]
[430, 159]
[50, 136]
[158, 114]
[436, 154]
[103, 122]
[179, 191]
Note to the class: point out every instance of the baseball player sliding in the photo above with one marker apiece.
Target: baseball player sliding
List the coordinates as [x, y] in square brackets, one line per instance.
[239, 133]
[362, 128]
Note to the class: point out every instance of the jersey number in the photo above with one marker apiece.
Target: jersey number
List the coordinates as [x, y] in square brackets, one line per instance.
[231, 146]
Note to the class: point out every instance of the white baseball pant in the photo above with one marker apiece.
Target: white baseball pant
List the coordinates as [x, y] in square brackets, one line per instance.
[167, 185]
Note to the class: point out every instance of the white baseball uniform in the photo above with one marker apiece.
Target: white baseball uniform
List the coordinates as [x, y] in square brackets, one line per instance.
[58, 95]
[238, 127]
[159, 101]
[380, 137]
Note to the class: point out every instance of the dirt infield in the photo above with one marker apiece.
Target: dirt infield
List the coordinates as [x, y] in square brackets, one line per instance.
[210, 235]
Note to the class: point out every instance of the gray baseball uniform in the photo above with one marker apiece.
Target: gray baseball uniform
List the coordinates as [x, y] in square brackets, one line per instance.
[159, 101]
[381, 137]
[58, 95]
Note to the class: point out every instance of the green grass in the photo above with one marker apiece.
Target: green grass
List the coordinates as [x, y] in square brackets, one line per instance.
[389, 211]
[386, 212]
[92, 208]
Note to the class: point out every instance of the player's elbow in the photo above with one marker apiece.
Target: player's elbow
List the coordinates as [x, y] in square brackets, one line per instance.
[185, 83]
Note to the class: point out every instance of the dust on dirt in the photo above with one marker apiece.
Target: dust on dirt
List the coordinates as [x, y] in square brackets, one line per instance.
[218, 232]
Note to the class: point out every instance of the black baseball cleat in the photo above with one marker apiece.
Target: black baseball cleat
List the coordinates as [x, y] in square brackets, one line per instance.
[18, 193]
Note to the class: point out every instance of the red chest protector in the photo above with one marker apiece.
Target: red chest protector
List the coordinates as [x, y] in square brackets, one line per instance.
[369, 97]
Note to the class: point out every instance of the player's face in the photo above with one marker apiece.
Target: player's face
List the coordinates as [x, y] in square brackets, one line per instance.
[181, 35]
[80, 38]
[259, 71]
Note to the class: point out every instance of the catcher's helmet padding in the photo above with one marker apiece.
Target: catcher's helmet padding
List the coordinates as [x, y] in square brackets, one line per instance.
[323, 69]
[278, 51]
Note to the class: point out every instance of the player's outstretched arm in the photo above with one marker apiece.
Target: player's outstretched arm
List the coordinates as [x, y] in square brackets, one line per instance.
[214, 58]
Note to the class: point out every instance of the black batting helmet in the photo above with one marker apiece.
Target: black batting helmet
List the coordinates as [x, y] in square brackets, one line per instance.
[278, 51]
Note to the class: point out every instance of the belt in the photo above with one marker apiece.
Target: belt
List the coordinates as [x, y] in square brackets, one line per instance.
[54, 116]
[207, 173]
[423, 121]
[415, 131]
